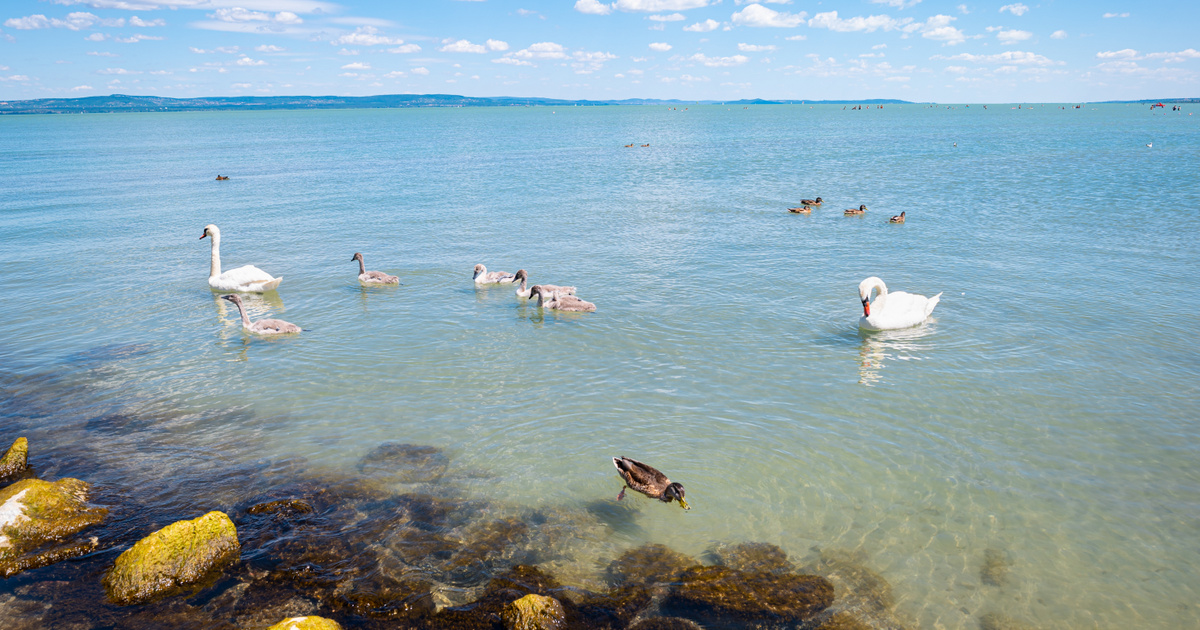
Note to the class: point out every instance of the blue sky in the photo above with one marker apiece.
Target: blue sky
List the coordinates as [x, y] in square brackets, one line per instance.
[919, 50]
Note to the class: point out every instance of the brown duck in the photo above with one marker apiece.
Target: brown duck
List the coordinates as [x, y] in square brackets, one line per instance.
[862, 208]
[899, 218]
[649, 481]
[811, 202]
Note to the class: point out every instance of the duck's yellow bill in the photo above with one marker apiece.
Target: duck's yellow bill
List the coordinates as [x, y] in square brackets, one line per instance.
[683, 504]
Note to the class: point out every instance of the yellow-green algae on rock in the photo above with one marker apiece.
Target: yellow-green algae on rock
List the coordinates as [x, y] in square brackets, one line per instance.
[34, 512]
[533, 612]
[306, 623]
[16, 459]
[177, 555]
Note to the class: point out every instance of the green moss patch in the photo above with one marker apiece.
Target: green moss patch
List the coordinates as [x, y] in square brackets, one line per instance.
[177, 555]
[35, 512]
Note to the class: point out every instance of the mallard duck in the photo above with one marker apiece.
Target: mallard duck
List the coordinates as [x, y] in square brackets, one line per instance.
[524, 292]
[372, 277]
[628, 145]
[645, 145]
[811, 202]
[649, 481]
[222, 178]
[801, 210]
[483, 276]
[262, 326]
[899, 218]
[853, 211]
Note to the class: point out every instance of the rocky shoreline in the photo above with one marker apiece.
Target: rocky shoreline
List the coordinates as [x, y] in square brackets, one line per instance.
[359, 554]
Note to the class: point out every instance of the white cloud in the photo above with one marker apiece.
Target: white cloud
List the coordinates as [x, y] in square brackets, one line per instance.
[96, 37]
[719, 62]
[463, 46]
[242, 86]
[1175, 57]
[348, 52]
[673, 17]
[238, 14]
[133, 39]
[1013, 36]
[298, 6]
[246, 61]
[365, 36]
[754, 48]
[405, 49]
[898, 4]
[879, 47]
[496, 45]
[1115, 15]
[395, 74]
[117, 71]
[1127, 53]
[97, 54]
[938, 28]
[957, 69]
[660, 46]
[82, 88]
[870, 24]
[593, 7]
[1008, 57]
[137, 21]
[269, 48]
[703, 27]
[420, 71]
[1060, 34]
[758, 15]
[1017, 9]
[15, 77]
[357, 65]
[512, 61]
[74, 21]
[962, 8]
[796, 38]
[687, 78]
[657, 6]
[589, 62]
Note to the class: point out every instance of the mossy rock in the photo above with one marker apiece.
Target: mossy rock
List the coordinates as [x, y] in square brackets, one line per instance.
[843, 620]
[648, 564]
[34, 512]
[753, 557]
[994, 570]
[533, 612]
[306, 623]
[404, 463]
[666, 623]
[724, 595]
[16, 460]
[1000, 621]
[285, 507]
[177, 555]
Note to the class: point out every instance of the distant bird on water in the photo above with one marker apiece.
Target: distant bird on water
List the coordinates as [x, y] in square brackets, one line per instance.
[557, 301]
[372, 277]
[861, 209]
[801, 209]
[811, 202]
[222, 178]
[483, 276]
[1150, 146]
[899, 218]
[262, 326]
[649, 481]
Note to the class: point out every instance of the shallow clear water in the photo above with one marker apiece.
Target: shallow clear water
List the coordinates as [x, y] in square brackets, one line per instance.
[1047, 411]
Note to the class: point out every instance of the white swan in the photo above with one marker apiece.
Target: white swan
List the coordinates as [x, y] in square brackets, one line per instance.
[892, 310]
[483, 276]
[262, 326]
[248, 279]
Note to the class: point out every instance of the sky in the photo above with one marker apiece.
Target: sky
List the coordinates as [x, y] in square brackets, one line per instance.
[916, 50]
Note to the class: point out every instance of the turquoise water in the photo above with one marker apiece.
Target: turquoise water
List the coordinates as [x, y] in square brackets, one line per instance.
[1047, 411]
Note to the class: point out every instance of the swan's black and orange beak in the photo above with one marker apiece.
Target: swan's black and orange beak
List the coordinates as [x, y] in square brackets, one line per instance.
[204, 234]
[866, 307]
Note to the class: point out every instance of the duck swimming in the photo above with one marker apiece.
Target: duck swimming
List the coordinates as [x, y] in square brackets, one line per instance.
[372, 277]
[811, 202]
[483, 276]
[222, 178]
[899, 218]
[649, 481]
[852, 211]
[801, 210]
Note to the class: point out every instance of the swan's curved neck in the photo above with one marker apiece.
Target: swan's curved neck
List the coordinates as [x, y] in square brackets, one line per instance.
[522, 290]
[242, 312]
[214, 268]
[880, 296]
[362, 268]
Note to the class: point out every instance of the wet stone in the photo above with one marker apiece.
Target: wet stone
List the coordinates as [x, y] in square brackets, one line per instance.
[666, 623]
[306, 623]
[716, 594]
[533, 612]
[404, 463]
[15, 460]
[284, 507]
[180, 554]
[843, 620]
[648, 564]
[863, 596]
[33, 513]
[752, 557]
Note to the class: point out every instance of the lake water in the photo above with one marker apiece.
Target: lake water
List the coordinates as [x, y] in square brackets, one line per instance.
[1046, 415]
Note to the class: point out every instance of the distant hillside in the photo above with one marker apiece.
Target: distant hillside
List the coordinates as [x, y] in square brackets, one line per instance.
[125, 103]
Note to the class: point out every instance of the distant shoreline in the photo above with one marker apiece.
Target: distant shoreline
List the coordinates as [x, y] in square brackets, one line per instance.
[117, 103]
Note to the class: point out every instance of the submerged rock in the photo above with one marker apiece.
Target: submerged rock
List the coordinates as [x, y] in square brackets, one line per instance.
[306, 623]
[16, 460]
[284, 507]
[404, 463]
[753, 557]
[666, 623]
[177, 555]
[864, 598]
[35, 512]
[724, 595]
[533, 612]
[648, 564]
[1000, 621]
[994, 570]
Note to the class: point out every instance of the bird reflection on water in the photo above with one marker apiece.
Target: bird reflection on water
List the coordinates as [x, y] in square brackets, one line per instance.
[887, 345]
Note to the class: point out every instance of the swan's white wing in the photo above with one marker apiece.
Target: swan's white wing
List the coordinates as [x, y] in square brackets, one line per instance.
[901, 310]
[247, 278]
